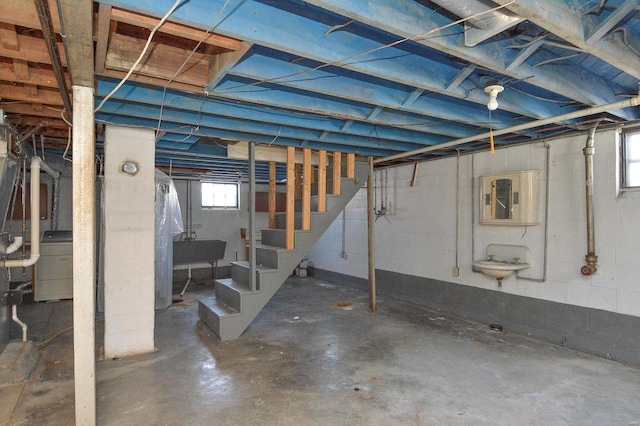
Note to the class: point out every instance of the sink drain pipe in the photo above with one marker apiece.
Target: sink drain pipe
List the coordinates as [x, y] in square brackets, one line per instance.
[590, 268]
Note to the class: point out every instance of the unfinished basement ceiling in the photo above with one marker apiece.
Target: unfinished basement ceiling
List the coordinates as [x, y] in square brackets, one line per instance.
[372, 77]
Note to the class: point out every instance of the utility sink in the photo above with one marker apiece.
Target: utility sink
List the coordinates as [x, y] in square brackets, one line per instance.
[503, 260]
[499, 269]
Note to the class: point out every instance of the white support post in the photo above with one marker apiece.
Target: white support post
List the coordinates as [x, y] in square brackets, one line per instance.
[84, 251]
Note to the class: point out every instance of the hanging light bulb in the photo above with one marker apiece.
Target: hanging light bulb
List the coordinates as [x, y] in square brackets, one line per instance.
[492, 89]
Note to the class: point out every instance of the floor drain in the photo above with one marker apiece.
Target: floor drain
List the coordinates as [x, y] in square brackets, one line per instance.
[495, 327]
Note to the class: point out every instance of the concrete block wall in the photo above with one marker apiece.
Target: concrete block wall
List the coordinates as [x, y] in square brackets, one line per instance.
[129, 239]
[417, 236]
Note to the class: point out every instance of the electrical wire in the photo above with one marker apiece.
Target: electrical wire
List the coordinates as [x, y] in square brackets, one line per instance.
[144, 51]
[375, 49]
[202, 39]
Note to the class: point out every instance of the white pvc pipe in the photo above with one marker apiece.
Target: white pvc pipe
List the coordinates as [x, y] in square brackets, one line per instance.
[15, 245]
[536, 123]
[35, 220]
[14, 316]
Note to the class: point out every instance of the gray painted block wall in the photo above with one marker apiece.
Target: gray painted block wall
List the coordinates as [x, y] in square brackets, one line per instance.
[589, 330]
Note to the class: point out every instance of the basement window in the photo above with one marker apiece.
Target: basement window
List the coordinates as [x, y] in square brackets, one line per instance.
[220, 195]
[631, 160]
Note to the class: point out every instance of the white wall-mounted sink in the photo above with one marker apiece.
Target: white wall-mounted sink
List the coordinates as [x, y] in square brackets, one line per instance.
[499, 270]
[503, 260]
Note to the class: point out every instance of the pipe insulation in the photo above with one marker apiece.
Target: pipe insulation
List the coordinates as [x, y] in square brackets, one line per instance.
[35, 220]
[590, 268]
[632, 102]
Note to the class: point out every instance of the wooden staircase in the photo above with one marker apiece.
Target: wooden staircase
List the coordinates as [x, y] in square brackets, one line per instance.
[294, 234]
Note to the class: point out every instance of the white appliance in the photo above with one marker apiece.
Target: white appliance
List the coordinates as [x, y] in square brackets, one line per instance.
[54, 270]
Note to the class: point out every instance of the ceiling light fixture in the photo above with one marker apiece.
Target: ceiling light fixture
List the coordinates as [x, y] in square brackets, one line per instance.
[493, 88]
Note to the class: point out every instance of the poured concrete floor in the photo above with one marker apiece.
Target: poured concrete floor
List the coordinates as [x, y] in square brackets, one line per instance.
[316, 356]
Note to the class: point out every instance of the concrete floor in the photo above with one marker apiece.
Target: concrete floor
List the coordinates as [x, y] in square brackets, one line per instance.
[315, 355]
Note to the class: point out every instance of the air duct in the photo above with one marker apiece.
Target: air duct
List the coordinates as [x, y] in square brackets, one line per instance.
[480, 26]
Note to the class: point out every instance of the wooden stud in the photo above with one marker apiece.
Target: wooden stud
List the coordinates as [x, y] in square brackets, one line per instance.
[414, 178]
[322, 181]
[298, 180]
[272, 194]
[306, 189]
[337, 172]
[351, 165]
[289, 234]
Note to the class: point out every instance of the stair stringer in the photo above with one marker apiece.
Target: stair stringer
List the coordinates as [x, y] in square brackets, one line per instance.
[231, 311]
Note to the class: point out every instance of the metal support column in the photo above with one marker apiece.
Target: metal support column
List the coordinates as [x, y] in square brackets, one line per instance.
[84, 250]
[252, 215]
[372, 251]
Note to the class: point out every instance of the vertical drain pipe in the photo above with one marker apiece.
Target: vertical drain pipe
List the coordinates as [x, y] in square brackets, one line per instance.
[590, 268]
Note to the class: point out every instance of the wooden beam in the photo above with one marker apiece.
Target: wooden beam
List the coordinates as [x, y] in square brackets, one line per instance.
[78, 24]
[104, 29]
[160, 61]
[26, 93]
[351, 165]
[176, 29]
[8, 36]
[289, 234]
[306, 189]
[221, 64]
[337, 172]
[32, 49]
[21, 70]
[24, 14]
[272, 194]
[155, 81]
[34, 109]
[322, 181]
[35, 76]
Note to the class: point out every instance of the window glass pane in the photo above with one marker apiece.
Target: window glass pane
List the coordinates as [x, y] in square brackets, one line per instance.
[219, 195]
[633, 146]
[633, 174]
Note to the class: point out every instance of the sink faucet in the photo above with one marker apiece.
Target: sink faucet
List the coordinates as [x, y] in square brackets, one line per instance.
[515, 260]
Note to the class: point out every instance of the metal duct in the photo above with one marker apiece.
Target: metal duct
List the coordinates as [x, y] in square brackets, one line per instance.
[483, 26]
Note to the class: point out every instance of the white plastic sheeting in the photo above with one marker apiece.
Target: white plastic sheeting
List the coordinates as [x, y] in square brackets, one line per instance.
[168, 224]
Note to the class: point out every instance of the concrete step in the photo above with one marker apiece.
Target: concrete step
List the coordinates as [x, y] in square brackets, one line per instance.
[331, 202]
[213, 313]
[268, 256]
[278, 237]
[240, 272]
[281, 220]
[230, 292]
